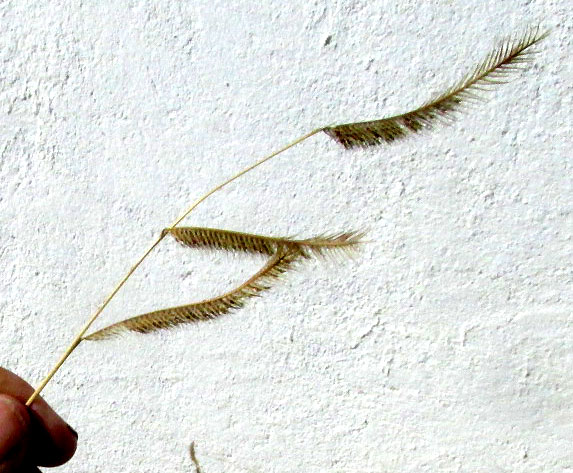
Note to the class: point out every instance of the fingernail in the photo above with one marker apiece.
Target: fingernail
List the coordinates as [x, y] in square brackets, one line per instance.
[74, 433]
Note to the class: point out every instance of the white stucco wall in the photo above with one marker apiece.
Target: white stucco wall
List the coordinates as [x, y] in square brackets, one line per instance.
[445, 346]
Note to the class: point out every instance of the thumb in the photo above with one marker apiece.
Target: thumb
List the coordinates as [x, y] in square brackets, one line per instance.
[14, 425]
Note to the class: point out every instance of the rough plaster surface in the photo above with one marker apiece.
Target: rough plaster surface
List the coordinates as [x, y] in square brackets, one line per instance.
[444, 347]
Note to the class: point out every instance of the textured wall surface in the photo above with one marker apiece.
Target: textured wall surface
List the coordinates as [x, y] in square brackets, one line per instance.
[444, 346]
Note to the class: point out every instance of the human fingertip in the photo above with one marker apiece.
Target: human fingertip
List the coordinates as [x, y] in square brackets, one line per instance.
[52, 445]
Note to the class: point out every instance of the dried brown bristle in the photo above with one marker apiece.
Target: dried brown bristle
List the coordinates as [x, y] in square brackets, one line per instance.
[494, 70]
[194, 459]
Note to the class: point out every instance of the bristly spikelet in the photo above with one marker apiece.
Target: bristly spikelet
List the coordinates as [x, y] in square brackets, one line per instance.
[505, 59]
[214, 238]
[208, 309]
[283, 253]
[217, 239]
[337, 244]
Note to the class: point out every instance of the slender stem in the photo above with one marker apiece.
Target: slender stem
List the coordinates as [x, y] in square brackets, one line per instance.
[244, 171]
[85, 328]
[78, 339]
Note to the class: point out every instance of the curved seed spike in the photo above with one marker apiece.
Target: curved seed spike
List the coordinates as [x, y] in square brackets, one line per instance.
[208, 309]
[505, 59]
[214, 238]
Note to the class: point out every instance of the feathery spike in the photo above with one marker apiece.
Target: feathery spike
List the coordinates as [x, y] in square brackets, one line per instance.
[214, 238]
[208, 309]
[507, 58]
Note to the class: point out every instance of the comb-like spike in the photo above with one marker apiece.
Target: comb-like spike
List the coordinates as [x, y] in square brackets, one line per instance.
[208, 309]
[508, 57]
[214, 238]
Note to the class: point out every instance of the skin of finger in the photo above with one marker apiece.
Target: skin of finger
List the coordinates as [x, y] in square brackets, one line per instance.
[18, 468]
[53, 442]
[14, 434]
[14, 462]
